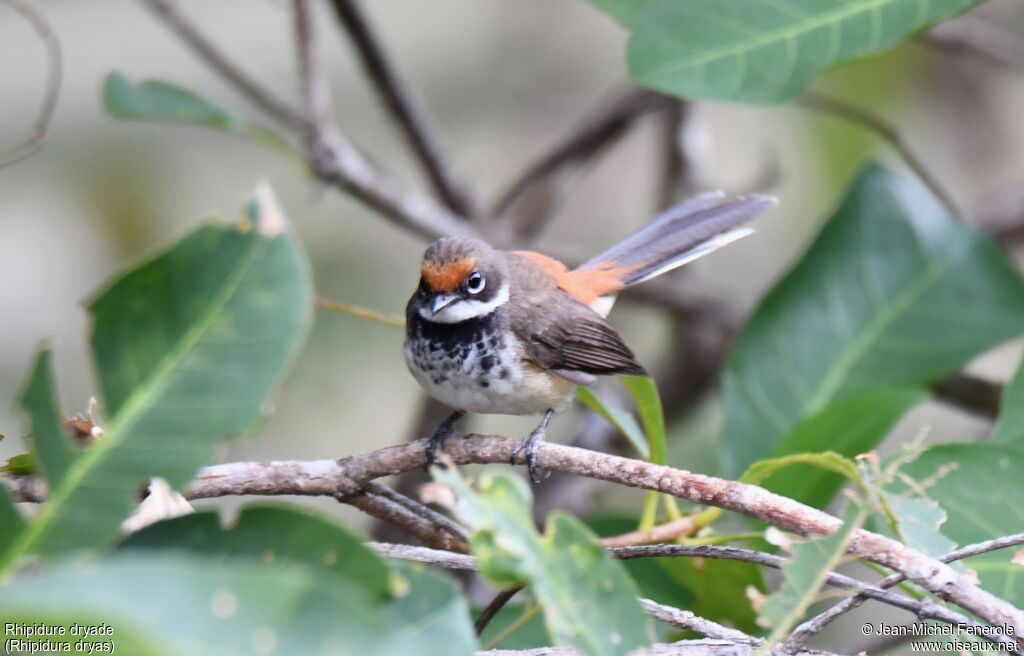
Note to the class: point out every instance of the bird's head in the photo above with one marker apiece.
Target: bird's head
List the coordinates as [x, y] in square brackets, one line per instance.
[460, 279]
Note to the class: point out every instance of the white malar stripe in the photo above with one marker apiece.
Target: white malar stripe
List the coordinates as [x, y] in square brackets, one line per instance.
[698, 251]
[469, 308]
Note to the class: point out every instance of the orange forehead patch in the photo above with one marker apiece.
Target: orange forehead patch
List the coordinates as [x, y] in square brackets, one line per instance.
[446, 277]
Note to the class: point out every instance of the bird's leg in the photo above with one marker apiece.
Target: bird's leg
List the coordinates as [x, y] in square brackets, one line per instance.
[530, 444]
[441, 433]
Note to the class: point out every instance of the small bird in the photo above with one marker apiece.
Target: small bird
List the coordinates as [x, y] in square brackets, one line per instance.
[514, 332]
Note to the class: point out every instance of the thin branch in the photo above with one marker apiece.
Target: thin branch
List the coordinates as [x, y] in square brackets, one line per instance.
[349, 476]
[405, 109]
[808, 629]
[203, 46]
[335, 159]
[316, 91]
[493, 608]
[978, 37]
[415, 524]
[54, 69]
[705, 647]
[442, 522]
[532, 197]
[868, 120]
[924, 609]
[684, 619]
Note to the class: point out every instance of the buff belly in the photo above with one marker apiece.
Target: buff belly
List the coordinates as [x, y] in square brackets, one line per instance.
[487, 377]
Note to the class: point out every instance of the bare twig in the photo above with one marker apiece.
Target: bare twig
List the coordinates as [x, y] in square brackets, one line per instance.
[805, 631]
[334, 158]
[316, 92]
[349, 476]
[442, 522]
[660, 533]
[868, 120]
[417, 525]
[978, 37]
[493, 608]
[34, 142]
[532, 197]
[257, 93]
[705, 647]
[684, 619]
[924, 609]
[404, 107]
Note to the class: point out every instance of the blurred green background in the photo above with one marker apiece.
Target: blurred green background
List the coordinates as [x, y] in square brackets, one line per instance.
[504, 81]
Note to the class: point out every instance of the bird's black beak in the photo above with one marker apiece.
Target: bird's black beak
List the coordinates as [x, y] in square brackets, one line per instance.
[441, 301]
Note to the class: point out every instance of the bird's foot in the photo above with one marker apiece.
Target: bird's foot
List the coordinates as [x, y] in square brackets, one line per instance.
[444, 430]
[530, 444]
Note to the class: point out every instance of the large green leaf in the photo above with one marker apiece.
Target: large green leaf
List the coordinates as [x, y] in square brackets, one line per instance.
[156, 100]
[273, 533]
[1010, 426]
[850, 427]
[894, 292]
[981, 489]
[804, 575]
[589, 601]
[617, 417]
[170, 604]
[187, 346]
[762, 50]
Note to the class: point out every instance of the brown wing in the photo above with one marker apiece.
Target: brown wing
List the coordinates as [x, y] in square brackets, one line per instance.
[559, 332]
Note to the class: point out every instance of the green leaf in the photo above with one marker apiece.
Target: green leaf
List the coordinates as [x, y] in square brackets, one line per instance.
[617, 417]
[23, 463]
[919, 523]
[589, 601]
[187, 347]
[624, 11]
[156, 100]
[894, 292]
[11, 521]
[848, 427]
[235, 606]
[804, 575]
[52, 446]
[648, 404]
[1010, 426]
[759, 51]
[981, 490]
[274, 533]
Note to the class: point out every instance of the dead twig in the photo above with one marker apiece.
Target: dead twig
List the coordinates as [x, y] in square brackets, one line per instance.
[533, 197]
[404, 107]
[54, 71]
[820, 102]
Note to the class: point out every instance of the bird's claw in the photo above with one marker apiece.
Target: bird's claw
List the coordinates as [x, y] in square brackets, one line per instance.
[530, 444]
[436, 443]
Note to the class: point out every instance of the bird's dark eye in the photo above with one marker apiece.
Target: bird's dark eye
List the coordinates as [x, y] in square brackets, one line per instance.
[475, 283]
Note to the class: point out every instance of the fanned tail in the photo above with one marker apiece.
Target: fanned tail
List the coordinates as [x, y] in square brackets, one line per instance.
[681, 234]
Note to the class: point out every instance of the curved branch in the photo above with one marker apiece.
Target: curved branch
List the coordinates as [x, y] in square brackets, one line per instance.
[349, 475]
[54, 70]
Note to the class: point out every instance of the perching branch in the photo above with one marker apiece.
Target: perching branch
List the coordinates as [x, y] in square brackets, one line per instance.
[404, 107]
[37, 136]
[349, 476]
[706, 647]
